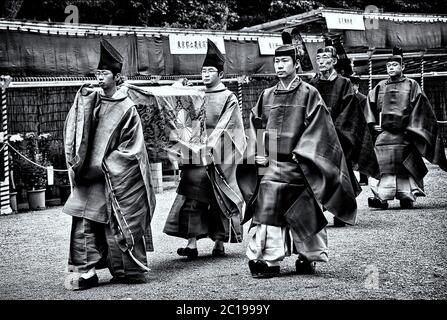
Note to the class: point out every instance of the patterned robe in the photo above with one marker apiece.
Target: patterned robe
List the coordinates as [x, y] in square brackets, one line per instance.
[214, 181]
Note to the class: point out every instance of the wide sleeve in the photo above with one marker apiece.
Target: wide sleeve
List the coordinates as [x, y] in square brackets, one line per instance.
[127, 171]
[76, 132]
[424, 130]
[355, 136]
[371, 108]
[247, 172]
[321, 158]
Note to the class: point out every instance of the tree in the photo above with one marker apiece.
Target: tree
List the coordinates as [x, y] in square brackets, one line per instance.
[196, 14]
[10, 8]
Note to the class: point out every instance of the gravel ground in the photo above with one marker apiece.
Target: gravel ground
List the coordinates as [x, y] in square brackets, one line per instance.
[389, 254]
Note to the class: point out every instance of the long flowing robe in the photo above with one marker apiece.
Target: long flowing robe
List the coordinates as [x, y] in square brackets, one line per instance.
[348, 116]
[409, 129]
[225, 145]
[109, 168]
[306, 169]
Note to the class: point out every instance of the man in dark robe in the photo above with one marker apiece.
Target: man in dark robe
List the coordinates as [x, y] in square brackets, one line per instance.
[407, 130]
[355, 80]
[305, 169]
[209, 202]
[112, 200]
[348, 117]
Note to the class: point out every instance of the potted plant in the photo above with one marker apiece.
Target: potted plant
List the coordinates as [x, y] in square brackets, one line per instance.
[53, 151]
[30, 167]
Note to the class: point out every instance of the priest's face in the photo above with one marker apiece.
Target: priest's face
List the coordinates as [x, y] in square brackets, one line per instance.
[325, 62]
[210, 76]
[106, 79]
[394, 69]
[284, 66]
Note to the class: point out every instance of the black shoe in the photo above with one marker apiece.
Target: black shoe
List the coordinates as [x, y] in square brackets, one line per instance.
[406, 204]
[377, 203]
[259, 269]
[188, 252]
[135, 279]
[304, 266]
[218, 252]
[338, 223]
[80, 283]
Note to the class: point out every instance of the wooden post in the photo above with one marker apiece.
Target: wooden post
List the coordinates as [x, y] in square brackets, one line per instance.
[370, 69]
[240, 81]
[422, 71]
[5, 207]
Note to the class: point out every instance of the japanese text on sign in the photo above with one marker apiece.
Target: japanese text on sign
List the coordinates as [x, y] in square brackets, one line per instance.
[193, 44]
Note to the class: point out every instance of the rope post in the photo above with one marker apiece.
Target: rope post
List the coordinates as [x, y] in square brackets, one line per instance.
[370, 69]
[5, 205]
[240, 81]
[422, 71]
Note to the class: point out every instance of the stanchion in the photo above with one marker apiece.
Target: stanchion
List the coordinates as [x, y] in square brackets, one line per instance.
[240, 81]
[422, 71]
[370, 70]
[5, 207]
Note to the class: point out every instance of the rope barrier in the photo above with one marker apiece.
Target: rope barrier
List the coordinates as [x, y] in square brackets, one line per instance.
[31, 161]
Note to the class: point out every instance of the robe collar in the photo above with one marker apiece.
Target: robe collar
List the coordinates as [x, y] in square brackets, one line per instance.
[400, 79]
[292, 86]
[219, 88]
[119, 95]
[331, 77]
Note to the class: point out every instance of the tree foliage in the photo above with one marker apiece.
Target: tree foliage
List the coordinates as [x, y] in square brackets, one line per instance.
[196, 14]
[10, 8]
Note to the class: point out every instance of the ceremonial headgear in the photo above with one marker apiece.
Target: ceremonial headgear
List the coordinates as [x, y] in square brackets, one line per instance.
[214, 58]
[397, 56]
[287, 50]
[329, 49]
[110, 58]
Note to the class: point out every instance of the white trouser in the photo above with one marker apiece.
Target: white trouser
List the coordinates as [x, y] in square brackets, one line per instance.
[272, 244]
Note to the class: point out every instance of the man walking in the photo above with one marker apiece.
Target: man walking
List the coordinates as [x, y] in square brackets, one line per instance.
[112, 201]
[305, 170]
[406, 130]
[348, 118]
[209, 202]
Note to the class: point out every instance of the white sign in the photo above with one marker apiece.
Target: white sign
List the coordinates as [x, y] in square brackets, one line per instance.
[193, 44]
[267, 46]
[344, 21]
[50, 175]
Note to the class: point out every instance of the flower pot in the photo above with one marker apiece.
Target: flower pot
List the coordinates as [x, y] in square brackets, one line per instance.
[64, 192]
[36, 199]
[13, 201]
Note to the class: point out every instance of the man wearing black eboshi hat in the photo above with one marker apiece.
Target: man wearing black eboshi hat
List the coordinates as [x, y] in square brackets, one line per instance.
[305, 170]
[112, 201]
[348, 117]
[209, 201]
[407, 130]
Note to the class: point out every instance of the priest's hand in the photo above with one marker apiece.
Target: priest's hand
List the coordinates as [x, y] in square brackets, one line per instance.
[261, 161]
